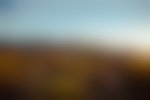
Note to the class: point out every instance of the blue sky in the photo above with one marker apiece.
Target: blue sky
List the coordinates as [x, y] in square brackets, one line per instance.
[87, 19]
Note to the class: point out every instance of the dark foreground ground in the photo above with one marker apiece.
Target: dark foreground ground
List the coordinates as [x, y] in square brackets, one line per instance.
[57, 73]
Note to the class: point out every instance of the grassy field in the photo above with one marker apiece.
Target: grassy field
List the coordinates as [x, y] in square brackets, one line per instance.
[59, 73]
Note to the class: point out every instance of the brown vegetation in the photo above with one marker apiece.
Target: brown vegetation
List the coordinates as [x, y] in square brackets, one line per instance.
[57, 73]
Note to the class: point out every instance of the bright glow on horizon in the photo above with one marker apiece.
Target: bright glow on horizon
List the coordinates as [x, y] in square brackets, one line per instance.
[117, 23]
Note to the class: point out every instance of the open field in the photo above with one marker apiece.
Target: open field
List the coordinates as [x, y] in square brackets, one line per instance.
[72, 73]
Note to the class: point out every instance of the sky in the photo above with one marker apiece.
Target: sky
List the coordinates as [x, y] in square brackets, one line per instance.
[114, 21]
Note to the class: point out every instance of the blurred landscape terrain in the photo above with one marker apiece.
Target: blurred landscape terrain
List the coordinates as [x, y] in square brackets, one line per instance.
[57, 72]
[75, 49]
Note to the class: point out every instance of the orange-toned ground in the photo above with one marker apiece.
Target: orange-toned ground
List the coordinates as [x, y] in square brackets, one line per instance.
[58, 73]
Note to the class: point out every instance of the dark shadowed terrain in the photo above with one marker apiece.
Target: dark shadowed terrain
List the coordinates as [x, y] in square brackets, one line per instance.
[72, 73]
